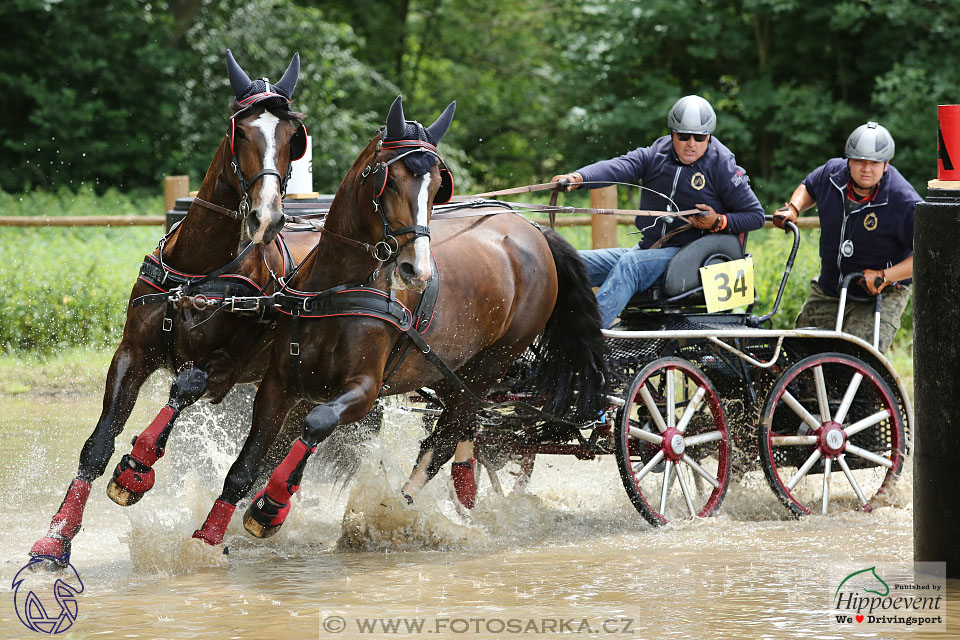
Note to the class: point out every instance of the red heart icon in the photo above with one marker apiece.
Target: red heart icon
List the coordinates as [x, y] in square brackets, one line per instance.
[859, 618]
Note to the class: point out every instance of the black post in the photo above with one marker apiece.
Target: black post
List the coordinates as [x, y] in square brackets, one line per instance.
[936, 374]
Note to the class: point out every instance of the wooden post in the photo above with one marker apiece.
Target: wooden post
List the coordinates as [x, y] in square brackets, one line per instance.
[604, 228]
[174, 187]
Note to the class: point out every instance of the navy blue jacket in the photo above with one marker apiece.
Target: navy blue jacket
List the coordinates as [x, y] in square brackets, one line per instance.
[881, 230]
[714, 179]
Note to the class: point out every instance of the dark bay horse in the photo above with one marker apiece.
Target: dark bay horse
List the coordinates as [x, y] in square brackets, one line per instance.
[239, 203]
[503, 284]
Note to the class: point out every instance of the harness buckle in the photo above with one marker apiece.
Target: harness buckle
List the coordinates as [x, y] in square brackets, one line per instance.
[366, 171]
[294, 348]
[168, 324]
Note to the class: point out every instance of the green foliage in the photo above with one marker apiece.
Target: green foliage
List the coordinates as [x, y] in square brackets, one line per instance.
[68, 286]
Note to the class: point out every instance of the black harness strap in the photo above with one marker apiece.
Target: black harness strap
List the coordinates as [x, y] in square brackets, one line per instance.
[423, 318]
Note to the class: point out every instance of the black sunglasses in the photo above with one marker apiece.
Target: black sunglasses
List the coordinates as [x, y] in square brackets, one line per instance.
[699, 137]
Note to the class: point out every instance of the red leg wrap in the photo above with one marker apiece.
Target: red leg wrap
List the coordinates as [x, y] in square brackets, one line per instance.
[66, 523]
[216, 523]
[134, 472]
[146, 449]
[285, 479]
[464, 482]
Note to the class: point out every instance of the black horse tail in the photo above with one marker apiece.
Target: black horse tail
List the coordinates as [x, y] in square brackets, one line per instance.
[571, 365]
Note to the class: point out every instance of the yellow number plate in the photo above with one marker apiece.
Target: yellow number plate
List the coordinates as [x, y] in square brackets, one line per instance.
[728, 285]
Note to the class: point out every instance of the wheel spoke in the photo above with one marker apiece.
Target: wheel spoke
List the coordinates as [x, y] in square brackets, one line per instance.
[802, 471]
[686, 494]
[703, 472]
[652, 408]
[798, 409]
[853, 481]
[869, 421]
[848, 397]
[665, 490]
[786, 441]
[647, 467]
[692, 407]
[671, 398]
[869, 455]
[648, 436]
[826, 486]
[821, 393]
[701, 438]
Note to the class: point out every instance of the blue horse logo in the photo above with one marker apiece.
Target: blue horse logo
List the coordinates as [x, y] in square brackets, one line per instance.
[32, 591]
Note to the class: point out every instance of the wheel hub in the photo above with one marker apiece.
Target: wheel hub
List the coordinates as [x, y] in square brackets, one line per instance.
[673, 444]
[832, 439]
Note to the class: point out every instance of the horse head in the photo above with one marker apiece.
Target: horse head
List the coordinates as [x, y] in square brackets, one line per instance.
[265, 137]
[404, 179]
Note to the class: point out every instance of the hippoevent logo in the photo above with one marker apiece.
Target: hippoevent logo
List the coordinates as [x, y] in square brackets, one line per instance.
[892, 597]
[47, 602]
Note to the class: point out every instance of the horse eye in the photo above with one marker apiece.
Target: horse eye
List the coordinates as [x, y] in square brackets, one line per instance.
[392, 185]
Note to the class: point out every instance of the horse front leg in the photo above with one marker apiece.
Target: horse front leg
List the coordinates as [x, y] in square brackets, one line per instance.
[270, 507]
[270, 408]
[128, 371]
[134, 475]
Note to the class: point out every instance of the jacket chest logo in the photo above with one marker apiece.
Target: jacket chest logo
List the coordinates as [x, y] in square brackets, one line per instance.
[870, 221]
[698, 181]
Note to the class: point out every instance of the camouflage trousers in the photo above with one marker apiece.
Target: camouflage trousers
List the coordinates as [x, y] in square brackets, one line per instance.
[820, 310]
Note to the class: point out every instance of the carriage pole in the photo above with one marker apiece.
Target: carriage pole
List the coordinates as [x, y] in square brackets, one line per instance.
[936, 357]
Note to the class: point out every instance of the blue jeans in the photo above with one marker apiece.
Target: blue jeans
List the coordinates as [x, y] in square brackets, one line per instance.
[621, 273]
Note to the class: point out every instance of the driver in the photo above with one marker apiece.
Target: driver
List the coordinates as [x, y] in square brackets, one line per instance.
[691, 168]
[866, 225]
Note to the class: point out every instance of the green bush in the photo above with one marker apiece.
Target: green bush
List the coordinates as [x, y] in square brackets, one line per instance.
[65, 286]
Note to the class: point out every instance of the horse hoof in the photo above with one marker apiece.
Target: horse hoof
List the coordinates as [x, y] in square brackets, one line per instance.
[47, 564]
[123, 497]
[257, 529]
[264, 516]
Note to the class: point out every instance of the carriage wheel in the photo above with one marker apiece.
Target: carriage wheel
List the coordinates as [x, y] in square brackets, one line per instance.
[672, 443]
[828, 415]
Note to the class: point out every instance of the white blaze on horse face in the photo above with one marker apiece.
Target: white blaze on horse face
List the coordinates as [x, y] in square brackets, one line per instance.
[268, 208]
[421, 246]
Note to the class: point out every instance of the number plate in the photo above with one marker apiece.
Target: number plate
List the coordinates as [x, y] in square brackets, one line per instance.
[728, 285]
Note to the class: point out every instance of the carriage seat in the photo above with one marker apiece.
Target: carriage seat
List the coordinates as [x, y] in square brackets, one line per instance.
[681, 281]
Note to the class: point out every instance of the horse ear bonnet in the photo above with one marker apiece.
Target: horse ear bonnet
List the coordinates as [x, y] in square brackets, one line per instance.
[275, 97]
[420, 163]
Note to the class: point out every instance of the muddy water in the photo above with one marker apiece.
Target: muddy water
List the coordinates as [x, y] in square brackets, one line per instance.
[570, 554]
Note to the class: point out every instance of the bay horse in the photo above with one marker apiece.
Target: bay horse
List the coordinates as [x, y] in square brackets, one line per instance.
[203, 258]
[504, 283]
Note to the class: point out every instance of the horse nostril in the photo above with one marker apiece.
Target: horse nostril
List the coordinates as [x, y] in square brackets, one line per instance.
[407, 271]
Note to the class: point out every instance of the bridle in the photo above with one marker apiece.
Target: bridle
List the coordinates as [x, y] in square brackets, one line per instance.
[297, 150]
[378, 170]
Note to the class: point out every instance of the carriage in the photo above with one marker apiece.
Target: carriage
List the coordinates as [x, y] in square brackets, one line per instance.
[698, 399]
[683, 393]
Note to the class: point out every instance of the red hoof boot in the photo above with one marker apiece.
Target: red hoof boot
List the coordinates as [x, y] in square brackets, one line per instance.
[264, 516]
[131, 479]
[52, 545]
[464, 482]
[215, 526]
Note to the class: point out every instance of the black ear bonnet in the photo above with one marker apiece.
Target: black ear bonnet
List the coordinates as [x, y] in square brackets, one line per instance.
[275, 97]
[406, 137]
